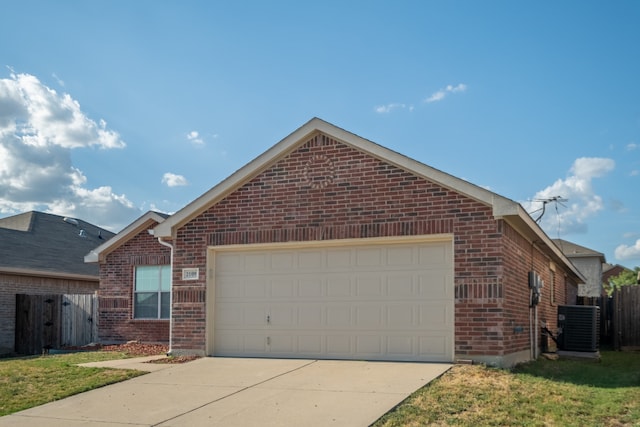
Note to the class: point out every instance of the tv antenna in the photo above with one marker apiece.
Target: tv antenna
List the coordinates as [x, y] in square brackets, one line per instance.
[556, 200]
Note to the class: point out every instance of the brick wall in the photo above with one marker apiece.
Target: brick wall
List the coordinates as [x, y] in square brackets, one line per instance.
[115, 296]
[11, 284]
[327, 190]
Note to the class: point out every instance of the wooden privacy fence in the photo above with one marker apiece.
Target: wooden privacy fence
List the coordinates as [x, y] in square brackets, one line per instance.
[46, 322]
[626, 318]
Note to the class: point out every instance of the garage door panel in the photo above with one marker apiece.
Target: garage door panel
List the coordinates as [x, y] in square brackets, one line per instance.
[399, 346]
[369, 344]
[339, 286]
[434, 255]
[368, 286]
[255, 287]
[339, 345]
[310, 344]
[311, 316]
[310, 287]
[311, 260]
[368, 317]
[434, 284]
[434, 316]
[401, 256]
[400, 316]
[339, 317]
[401, 285]
[369, 257]
[241, 316]
[282, 287]
[434, 346]
[234, 344]
[379, 302]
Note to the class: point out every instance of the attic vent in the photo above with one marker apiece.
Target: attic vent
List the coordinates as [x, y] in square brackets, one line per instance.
[70, 221]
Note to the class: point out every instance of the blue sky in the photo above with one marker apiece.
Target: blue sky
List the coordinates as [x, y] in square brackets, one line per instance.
[111, 108]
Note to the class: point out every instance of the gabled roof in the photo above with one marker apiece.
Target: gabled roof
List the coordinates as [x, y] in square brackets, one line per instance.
[502, 206]
[42, 244]
[145, 222]
[573, 250]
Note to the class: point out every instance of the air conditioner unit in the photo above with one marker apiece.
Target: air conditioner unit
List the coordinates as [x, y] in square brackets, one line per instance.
[578, 327]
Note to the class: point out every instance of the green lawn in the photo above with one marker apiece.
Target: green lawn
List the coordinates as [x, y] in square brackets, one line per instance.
[31, 381]
[541, 393]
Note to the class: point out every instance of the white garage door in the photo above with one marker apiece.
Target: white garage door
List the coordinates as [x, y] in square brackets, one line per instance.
[375, 302]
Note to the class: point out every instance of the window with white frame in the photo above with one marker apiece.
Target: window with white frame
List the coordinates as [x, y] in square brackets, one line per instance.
[152, 289]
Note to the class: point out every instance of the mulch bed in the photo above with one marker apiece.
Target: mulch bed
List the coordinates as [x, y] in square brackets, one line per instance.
[138, 349]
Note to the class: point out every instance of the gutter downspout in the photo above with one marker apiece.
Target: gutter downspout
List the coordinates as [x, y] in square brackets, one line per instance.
[170, 246]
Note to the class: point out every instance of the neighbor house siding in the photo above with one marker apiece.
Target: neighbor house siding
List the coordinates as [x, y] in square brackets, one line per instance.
[12, 284]
[115, 296]
[362, 197]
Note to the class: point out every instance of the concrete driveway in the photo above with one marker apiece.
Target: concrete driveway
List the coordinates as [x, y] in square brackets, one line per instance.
[241, 392]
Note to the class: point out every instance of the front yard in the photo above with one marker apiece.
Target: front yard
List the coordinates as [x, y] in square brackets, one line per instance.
[541, 393]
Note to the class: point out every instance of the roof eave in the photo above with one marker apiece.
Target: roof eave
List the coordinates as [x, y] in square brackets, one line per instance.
[515, 214]
[46, 273]
[99, 254]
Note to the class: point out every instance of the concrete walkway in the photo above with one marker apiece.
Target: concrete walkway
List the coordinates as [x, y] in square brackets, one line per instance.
[241, 392]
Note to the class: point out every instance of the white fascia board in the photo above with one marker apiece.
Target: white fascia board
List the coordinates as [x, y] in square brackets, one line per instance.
[98, 254]
[505, 208]
[45, 273]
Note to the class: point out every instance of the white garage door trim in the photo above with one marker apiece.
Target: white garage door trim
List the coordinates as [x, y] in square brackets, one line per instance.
[373, 299]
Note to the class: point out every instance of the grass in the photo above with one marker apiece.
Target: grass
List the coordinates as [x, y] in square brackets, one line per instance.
[31, 381]
[541, 393]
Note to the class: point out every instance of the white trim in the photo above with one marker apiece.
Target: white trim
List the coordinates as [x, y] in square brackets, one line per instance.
[99, 253]
[366, 241]
[212, 251]
[51, 274]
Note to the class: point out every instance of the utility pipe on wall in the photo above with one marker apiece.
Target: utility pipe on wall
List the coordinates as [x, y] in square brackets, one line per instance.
[170, 246]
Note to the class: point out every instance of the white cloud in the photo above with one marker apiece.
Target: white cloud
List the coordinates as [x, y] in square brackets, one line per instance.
[583, 202]
[194, 136]
[632, 146]
[442, 93]
[624, 252]
[384, 109]
[38, 130]
[173, 180]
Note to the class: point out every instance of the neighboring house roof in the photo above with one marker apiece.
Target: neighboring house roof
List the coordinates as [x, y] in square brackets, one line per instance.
[612, 270]
[42, 244]
[572, 250]
[145, 222]
[504, 208]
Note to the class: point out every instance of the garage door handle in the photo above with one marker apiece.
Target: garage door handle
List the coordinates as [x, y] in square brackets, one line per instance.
[268, 319]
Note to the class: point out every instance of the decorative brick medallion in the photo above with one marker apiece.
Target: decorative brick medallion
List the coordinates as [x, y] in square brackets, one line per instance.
[319, 171]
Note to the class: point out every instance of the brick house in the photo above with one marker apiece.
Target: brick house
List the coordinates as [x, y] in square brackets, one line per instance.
[120, 305]
[330, 246]
[42, 254]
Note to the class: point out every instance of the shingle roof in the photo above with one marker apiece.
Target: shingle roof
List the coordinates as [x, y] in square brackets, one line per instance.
[573, 250]
[145, 222]
[41, 242]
